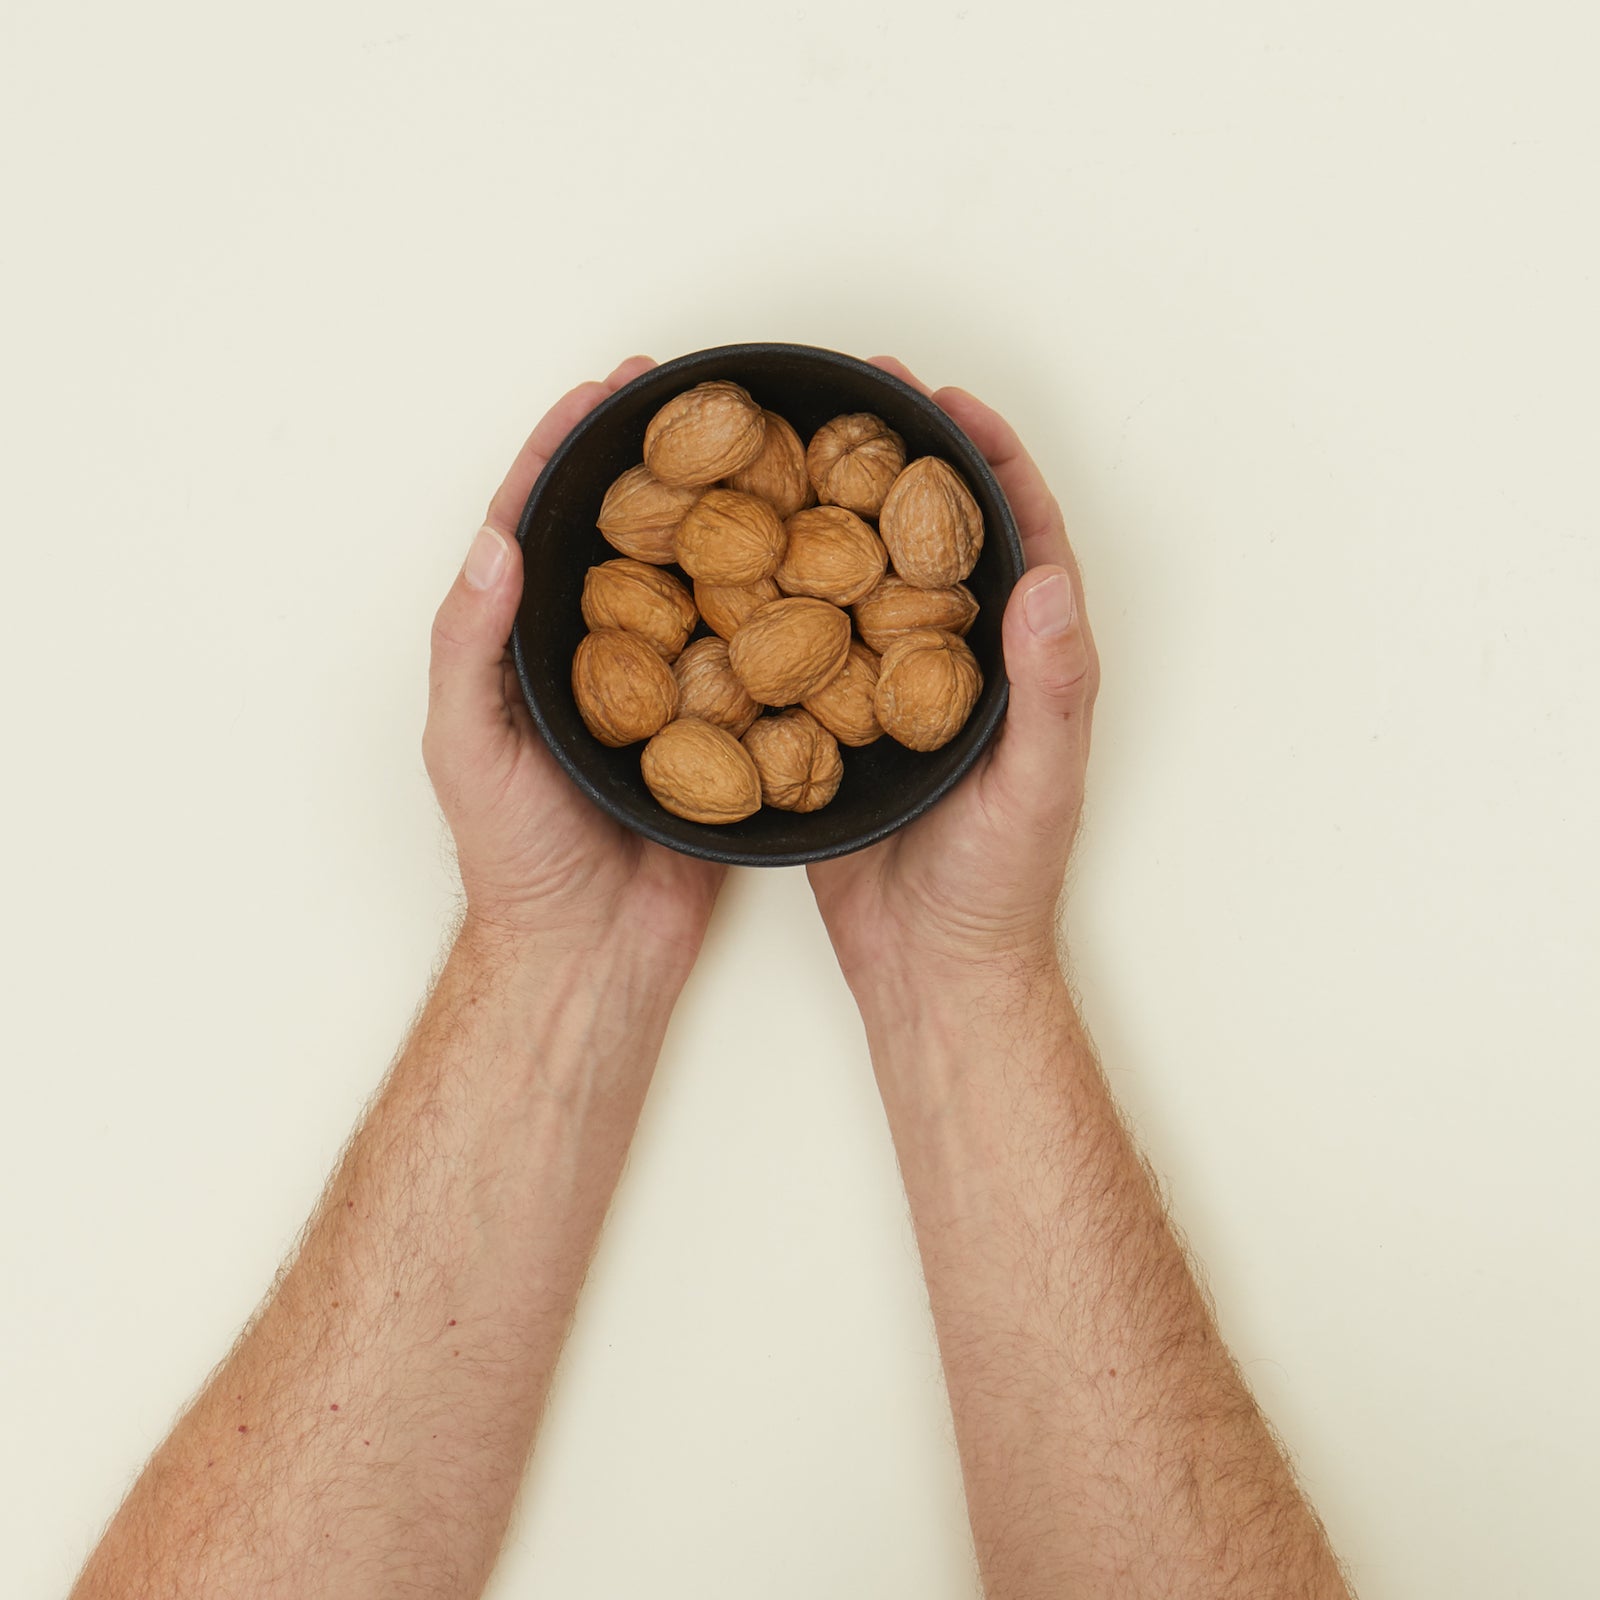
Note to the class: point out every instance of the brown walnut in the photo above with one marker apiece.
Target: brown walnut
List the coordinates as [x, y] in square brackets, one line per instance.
[640, 516]
[830, 554]
[706, 433]
[853, 460]
[708, 689]
[931, 525]
[843, 705]
[928, 683]
[789, 649]
[730, 538]
[700, 772]
[798, 761]
[895, 607]
[643, 600]
[624, 690]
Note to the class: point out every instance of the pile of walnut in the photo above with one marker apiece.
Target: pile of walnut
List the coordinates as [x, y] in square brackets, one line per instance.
[779, 542]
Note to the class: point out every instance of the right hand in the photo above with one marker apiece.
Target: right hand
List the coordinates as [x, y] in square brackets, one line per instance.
[976, 881]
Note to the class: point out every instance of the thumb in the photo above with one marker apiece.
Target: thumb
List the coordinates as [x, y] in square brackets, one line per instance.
[1040, 759]
[466, 681]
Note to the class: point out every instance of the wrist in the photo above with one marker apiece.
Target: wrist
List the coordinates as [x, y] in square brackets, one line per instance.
[937, 1024]
[607, 999]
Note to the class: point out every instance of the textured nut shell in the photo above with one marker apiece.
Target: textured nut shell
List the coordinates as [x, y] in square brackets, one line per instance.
[830, 554]
[778, 474]
[640, 516]
[844, 704]
[728, 537]
[798, 760]
[642, 599]
[726, 606]
[932, 525]
[704, 434]
[853, 460]
[789, 649]
[625, 691]
[928, 683]
[700, 772]
[708, 689]
[896, 608]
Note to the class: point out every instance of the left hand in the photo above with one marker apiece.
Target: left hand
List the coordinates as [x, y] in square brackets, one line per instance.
[537, 858]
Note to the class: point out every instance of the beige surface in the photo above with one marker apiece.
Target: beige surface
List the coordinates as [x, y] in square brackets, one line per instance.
[1298, 308]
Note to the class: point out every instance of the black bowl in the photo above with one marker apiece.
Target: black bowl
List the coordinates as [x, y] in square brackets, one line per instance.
[885, 785]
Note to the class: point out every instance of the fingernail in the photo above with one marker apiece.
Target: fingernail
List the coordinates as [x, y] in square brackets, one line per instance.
[1050, 607]
[486, 560]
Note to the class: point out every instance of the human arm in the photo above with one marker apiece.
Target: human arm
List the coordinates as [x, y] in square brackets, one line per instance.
[368, 1431]
[1109, 1446]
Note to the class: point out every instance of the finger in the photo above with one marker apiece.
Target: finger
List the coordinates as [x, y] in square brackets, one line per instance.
[466, 674]
[1039, 519]
[506, 506]
[896, 368]
[1039, 761]
[627, 371]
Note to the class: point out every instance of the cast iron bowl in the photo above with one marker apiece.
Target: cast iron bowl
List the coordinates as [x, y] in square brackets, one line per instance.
[885, 785]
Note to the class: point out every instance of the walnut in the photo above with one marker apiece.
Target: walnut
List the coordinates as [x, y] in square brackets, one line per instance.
[708, 689]
[931, 524]
[798, 760]
[640, 517]
[778, 474]
[643, 600]
[625, 691]
[853, 460]
[894, 608]
[843, 705]
[789, 649]
[725, 606]
[700, 772]
[706, 433]
[928, 683]
[830, 554]
[730, 538]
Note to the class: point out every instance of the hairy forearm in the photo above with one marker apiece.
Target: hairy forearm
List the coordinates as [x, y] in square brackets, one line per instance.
[1108, 1443]
[367, 1433]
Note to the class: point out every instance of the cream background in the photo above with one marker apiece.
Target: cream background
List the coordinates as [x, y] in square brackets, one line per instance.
[1296, 306]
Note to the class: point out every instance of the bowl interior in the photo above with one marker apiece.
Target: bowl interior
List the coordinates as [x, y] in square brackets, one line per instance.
[885, 785]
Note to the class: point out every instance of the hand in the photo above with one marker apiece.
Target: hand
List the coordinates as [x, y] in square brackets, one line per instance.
[977, 879]
[536, 856]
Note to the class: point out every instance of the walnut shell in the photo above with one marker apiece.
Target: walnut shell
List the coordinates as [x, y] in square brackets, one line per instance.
[706, 433]
[729, 538]
[931, 524]
[644, 600]
[853, 460]
[894, 608]
[726, 606]
[708, 689]
[778, 474]
[928, 683]
[798, 761]
[640, 517]
[625, 691]
[831, 554]
[700, 772]
[789, 649]
[843, 705]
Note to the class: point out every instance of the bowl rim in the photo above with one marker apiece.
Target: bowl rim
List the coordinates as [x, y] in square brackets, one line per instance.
[990, 718]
